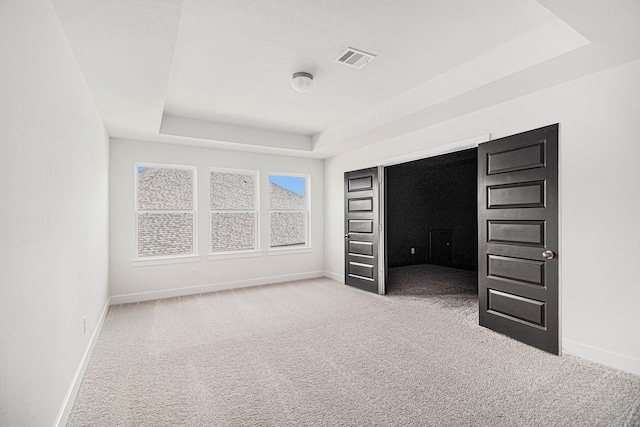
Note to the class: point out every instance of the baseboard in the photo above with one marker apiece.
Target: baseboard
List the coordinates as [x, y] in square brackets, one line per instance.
[69, 399]
[605, 357]
[334, 276]
[194, 290]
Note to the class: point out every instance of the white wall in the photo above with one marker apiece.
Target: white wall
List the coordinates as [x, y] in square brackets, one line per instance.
[600, 200]
[54, 157]
[146, 282]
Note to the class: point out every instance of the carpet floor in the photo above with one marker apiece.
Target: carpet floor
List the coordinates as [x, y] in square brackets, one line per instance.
[319, 353]
[449, 288]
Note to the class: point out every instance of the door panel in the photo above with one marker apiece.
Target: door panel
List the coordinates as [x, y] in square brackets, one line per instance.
[515, 159]
[516, 307]
[522, 195]
[358, 269]
[360, 183]
[517, 223]
[517, 270]
[360, 248]
[361, 229]
[516, 232]
[360, 205]
[360, 226]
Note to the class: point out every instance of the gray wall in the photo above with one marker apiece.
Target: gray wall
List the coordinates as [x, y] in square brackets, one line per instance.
[54, 165]
[426, 194]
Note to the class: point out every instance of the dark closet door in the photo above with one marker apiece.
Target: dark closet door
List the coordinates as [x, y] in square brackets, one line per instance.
[361, 229]
[518, 237]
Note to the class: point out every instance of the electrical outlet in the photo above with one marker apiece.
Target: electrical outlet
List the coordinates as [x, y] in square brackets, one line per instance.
[413, 251]
[194, 273]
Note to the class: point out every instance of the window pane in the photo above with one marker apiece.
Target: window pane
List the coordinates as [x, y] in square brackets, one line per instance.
[165, 234]
[232, 191]
[165, 189]
[287, 192]
[232, 231]
[288, 228]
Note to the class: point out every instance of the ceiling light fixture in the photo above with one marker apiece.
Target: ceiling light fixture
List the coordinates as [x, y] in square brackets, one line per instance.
[302, 81]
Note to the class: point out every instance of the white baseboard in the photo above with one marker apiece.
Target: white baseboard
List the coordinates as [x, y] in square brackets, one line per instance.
[194, 290]
[605, 357]
[72, 392]
[334, 276]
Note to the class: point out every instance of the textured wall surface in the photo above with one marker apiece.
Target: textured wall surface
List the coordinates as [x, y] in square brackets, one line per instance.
[230, 190]
[236, 230]
[282, 199]
[232, 193]
[233, 231]
[287, 228]
[166, 233]
[165, 189]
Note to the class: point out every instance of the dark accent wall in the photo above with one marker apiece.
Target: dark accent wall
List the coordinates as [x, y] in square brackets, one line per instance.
[438, 194]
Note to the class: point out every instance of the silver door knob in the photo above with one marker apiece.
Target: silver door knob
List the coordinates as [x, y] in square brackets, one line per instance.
[548, 254]
[346, 236]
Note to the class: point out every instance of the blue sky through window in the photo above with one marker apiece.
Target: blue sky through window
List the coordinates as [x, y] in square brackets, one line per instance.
[141, 168]
[291, 183]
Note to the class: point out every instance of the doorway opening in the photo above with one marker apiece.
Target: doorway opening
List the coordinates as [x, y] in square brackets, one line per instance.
[431, 229]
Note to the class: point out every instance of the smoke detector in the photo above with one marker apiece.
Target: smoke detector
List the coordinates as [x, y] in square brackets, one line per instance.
[355, 58]
[302, 81]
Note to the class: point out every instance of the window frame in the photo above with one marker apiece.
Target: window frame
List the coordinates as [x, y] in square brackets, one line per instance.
[237, 253]
[300, 248]
[173, 258]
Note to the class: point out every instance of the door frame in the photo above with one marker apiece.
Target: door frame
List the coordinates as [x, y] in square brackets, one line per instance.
[404, 158]
[382, 236]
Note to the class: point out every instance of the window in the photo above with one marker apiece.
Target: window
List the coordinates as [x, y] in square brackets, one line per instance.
[234, 213]
[289, 210]
[165, 211]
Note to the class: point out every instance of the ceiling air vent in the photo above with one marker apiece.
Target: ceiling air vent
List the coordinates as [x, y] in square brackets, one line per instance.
[355, 58]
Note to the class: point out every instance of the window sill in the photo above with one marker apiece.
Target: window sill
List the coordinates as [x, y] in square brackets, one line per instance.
[141, 262]
[290, 251]
[233, 255]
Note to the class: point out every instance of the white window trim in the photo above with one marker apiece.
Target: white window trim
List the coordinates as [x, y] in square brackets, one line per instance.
[218, 256]
[239, 253]
[142, 262]
[137, 261]
[289, 250]
[302, 248]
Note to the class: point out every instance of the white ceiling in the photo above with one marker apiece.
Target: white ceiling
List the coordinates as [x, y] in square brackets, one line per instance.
[217, 73]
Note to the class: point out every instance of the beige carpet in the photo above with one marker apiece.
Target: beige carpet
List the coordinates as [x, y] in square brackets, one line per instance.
[319, 353]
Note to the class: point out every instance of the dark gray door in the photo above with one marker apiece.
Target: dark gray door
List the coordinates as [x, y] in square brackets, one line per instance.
[518, 237]
[361, 229]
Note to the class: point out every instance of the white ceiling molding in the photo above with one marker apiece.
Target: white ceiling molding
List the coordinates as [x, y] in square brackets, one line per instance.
[218, 74]
[549, 41]
[125, 51]
[203, 129]
[450, 147]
